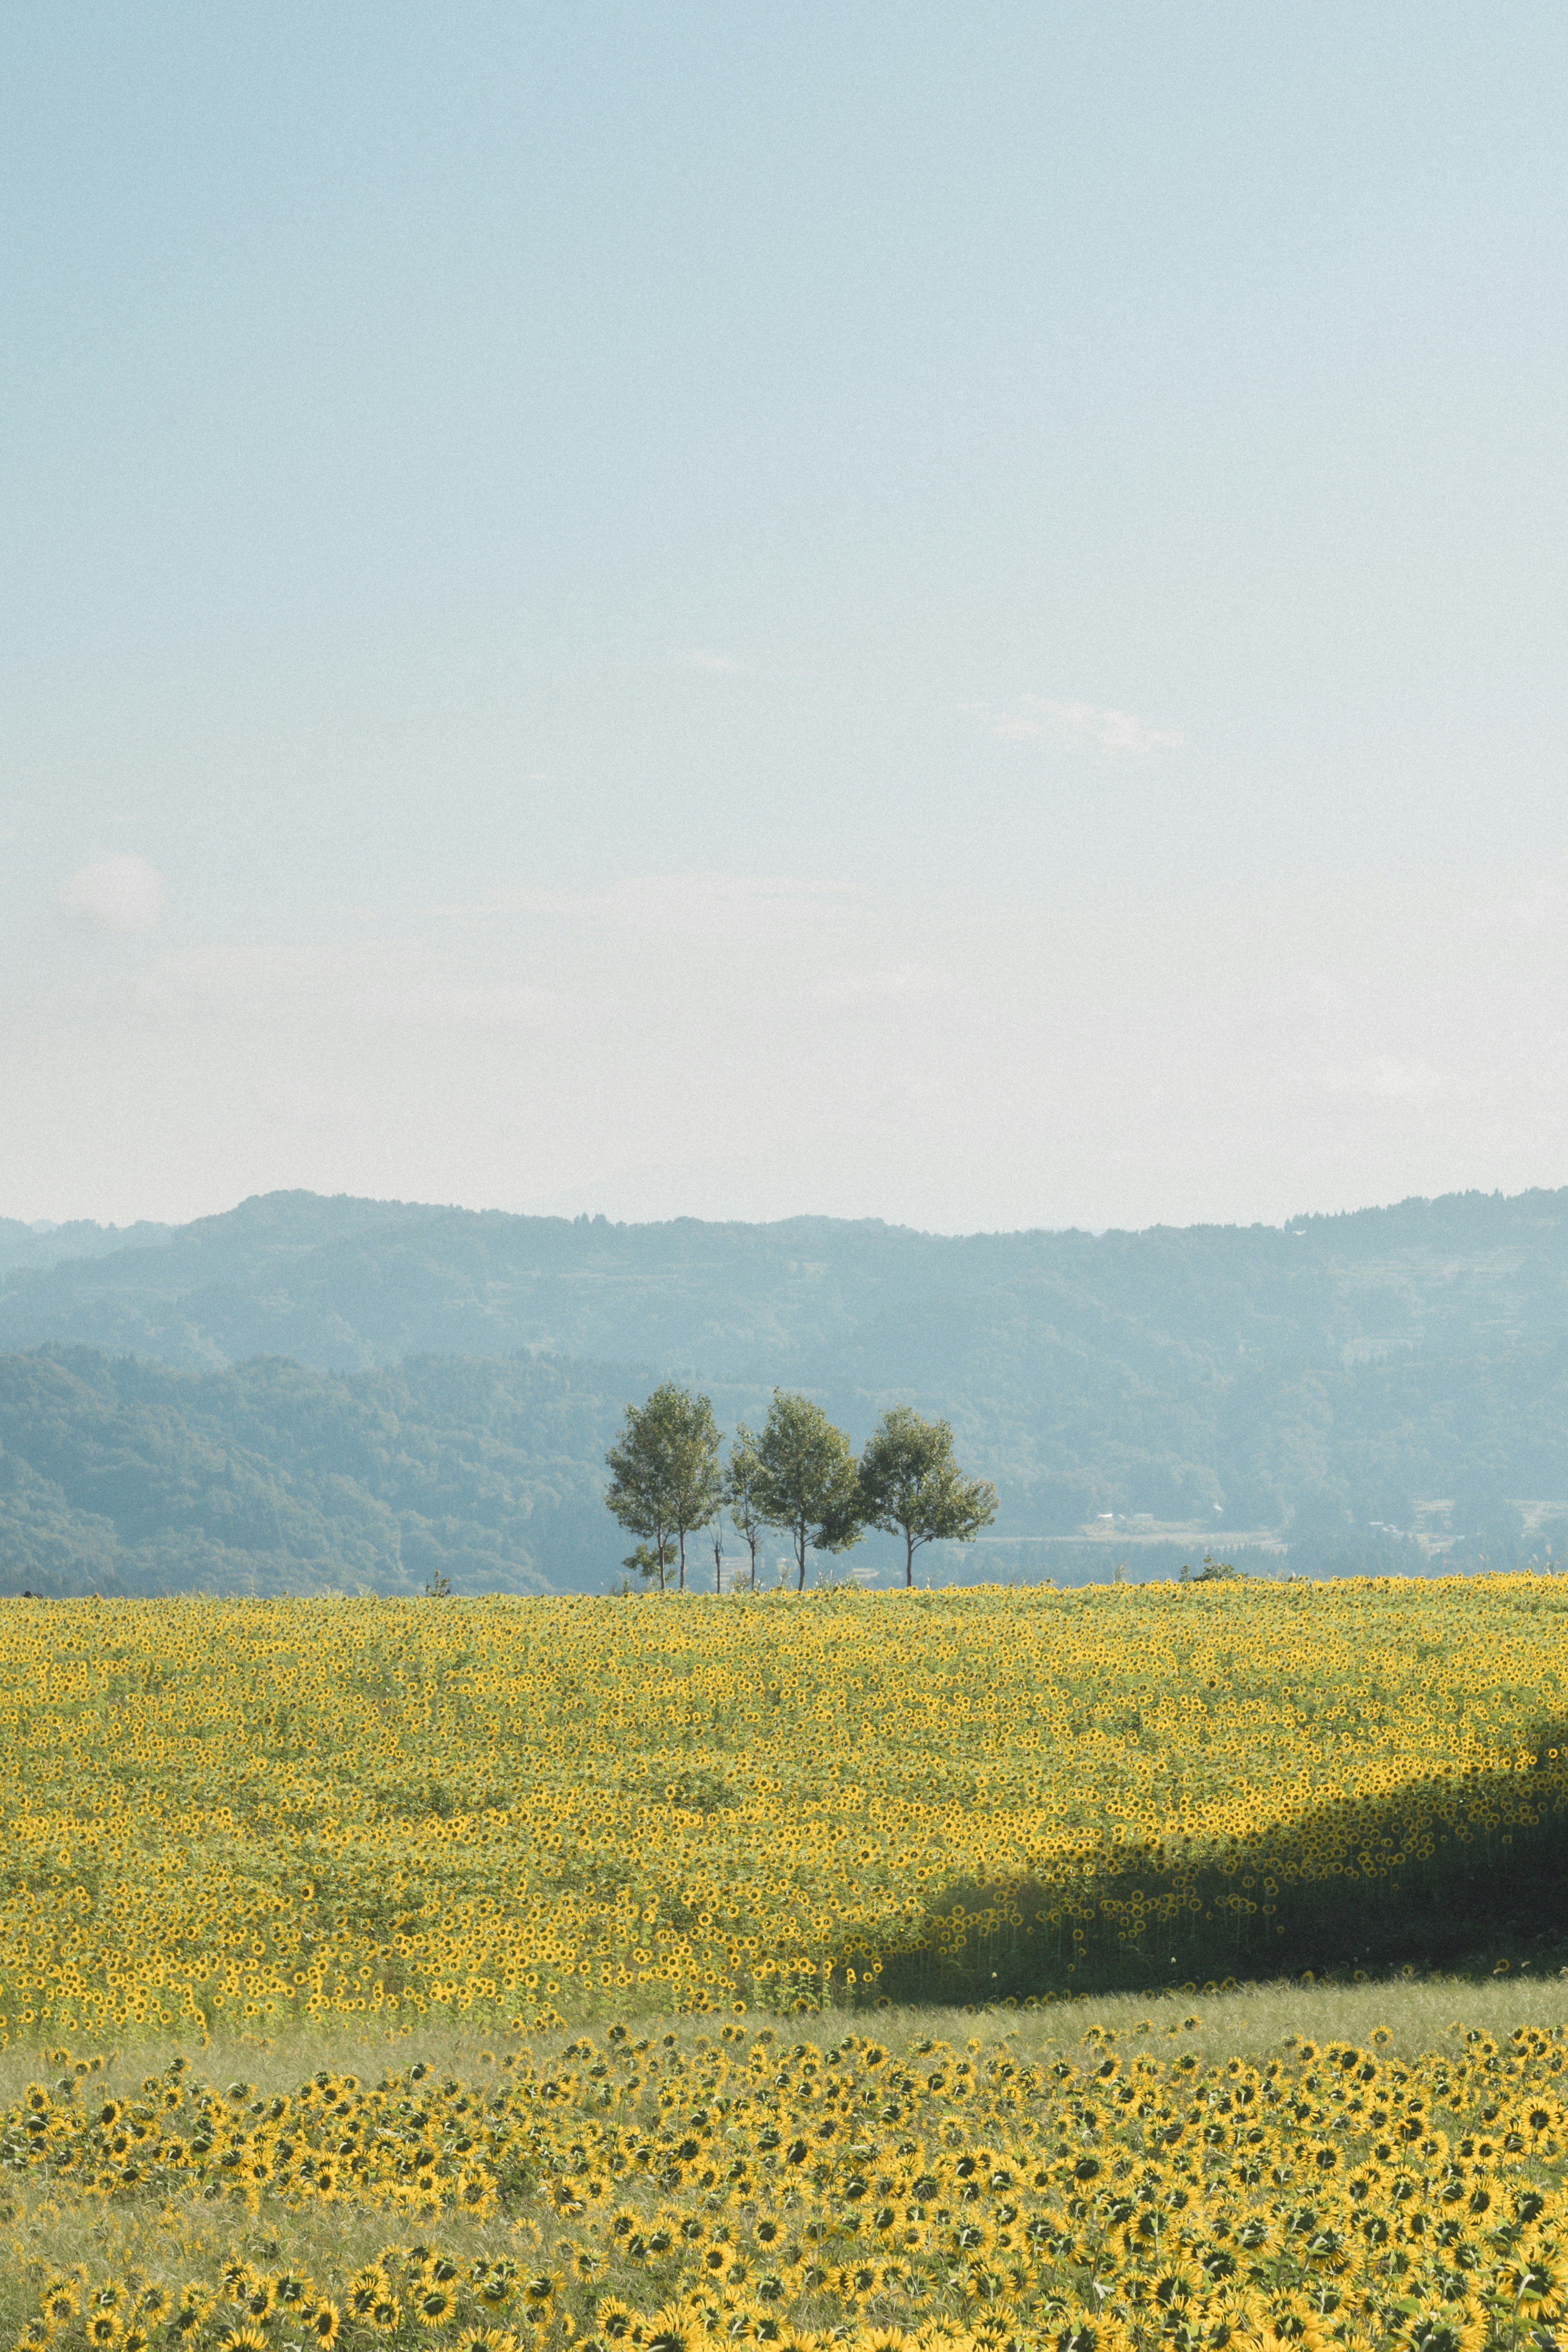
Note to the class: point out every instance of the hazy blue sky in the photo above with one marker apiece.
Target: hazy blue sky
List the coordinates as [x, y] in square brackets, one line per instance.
[953, 613]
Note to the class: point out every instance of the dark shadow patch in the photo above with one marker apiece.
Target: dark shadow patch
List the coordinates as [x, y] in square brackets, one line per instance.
[1450, 1867]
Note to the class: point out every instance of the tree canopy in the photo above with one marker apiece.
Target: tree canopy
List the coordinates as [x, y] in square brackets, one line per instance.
[910, 1486]
[666, 1479]
[807, 1483]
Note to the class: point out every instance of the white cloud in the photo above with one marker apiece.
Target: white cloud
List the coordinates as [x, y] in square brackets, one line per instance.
[115, 893]
[1117, 733]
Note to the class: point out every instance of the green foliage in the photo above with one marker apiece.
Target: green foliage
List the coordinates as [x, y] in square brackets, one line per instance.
[130, 1477]
[806, 1481]
[911, 1487]
[1213, 1571]
[664, 1473]
[649, 1561]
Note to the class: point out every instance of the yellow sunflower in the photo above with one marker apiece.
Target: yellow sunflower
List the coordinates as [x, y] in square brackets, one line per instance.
[540, 2295]
[669, 2330]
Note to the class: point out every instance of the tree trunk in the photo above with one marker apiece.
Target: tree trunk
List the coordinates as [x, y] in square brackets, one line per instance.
[909, 1561]
[800, 1556]
[682, 1536]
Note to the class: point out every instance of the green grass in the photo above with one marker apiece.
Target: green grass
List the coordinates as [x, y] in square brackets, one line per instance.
[1421, 2013]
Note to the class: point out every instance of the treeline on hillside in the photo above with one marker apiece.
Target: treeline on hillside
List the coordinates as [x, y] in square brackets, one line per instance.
[1316, 1379]
[124, 1476]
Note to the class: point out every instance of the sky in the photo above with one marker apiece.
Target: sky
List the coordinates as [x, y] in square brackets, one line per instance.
[951, 613]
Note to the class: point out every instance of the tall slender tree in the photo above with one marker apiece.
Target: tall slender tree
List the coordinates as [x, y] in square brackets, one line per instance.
[665, 1477]
[743, 1472]
[910, 1486]
[807, 1483]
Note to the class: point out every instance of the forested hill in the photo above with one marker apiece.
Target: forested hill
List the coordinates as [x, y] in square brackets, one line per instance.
[343, 1284]
[129, 1476]
[1315, 1379]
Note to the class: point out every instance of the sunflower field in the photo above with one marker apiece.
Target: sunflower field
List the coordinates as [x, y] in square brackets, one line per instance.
[223, 1815]
[270, 1825]
[634, 2193]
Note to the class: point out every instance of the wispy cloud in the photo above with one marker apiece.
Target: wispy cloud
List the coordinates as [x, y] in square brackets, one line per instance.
[114, 894]
[1036, 718]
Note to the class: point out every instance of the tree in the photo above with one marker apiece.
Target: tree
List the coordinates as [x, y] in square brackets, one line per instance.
[910, 1486]
[649, 1561]
[806, 1479]
[743, 1474]
[664, 1470]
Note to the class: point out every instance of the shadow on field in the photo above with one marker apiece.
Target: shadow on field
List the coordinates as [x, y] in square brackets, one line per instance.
[1435, 1874]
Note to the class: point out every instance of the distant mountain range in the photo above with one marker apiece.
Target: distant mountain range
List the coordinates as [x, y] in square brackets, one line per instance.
[450, 1378]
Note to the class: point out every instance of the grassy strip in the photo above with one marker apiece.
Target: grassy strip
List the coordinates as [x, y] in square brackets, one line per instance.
[46, 2224]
